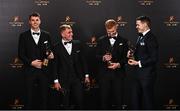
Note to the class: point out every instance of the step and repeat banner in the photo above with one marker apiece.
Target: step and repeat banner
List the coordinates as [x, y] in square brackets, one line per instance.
[87, 19]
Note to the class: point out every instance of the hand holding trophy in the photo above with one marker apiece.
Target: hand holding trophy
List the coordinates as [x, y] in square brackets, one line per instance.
[131, 51]
[47, 53]
[108, 58]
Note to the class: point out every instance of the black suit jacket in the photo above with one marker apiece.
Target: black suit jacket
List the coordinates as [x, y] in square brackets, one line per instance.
[119, 52]
[63, 62]
[29, 51]
[147, 52]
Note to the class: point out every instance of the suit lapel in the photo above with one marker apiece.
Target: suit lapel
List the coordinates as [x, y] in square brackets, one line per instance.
[31, 38]
[116, 43]
[40, 42]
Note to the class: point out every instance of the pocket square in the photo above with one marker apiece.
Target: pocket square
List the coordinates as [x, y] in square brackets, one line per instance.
[120, 43]
[142, 43]
[77, 51]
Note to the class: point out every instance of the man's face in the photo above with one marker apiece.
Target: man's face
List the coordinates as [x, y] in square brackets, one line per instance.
[67, 34]
[141, 26]
[112, 32]
[34, 22]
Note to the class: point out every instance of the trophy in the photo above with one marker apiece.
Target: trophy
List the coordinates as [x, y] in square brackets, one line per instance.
[47, 53]
[132, 50]
[109, 52]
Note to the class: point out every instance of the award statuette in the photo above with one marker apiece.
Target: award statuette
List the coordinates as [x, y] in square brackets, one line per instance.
[47, 53]
[109, 52]
[132, 50]
[109, 61]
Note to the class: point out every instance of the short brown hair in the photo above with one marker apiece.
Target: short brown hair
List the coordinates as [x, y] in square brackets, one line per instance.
[34, 14]
[110, 23]
[64, 27]
[145, 19]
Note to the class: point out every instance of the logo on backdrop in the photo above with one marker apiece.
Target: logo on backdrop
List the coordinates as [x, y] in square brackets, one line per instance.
[171, 63]
[68, 21]
[171, 105]
[41, 2]
[92, 42]
[120, 21]
[171, 21]
[16, 63]
[16, 21]
[145, 2]
[94, 2]
[16, 104]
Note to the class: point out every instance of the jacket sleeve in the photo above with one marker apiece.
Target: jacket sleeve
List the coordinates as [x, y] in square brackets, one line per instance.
[22, 50]
[152, 48]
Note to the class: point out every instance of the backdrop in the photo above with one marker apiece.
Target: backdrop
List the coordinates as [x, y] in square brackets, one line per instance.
[87, 18]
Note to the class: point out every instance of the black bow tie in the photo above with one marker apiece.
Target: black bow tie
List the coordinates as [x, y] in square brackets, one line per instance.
[140, 34]
[69, 42]
[34, 33]
[113, 38]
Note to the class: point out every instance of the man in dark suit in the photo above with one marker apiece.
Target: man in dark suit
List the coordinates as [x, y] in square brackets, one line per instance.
[111, 54]
[146, 57]
[32, 50]
[70, 67]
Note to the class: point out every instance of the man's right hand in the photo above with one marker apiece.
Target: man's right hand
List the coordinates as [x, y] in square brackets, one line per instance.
[37, 63]
[128, 54]
[57, 86]
[107, 57]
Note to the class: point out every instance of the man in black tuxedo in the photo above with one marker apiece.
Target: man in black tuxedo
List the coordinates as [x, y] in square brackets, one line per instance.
[111, 54]
[32, 50]
[70, 67]
[146, 57]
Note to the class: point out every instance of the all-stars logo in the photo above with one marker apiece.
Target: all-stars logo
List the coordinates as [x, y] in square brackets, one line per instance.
[171, 63]
[68, 21]
[171, 21]
[94, 2]
[16, 21]
[121, 22]
[146, 2]
[41, 2]
[16, 63]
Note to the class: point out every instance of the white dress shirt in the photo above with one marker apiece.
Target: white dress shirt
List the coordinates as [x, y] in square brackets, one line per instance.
[112, 40]
[35, 36]
[68, 46]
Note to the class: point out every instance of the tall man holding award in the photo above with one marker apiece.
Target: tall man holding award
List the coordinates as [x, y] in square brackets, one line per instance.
[35, 51]
[144, 62]
[111, 54]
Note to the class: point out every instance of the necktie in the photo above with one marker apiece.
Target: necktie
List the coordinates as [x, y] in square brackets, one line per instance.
[69, 42]
[139, 38]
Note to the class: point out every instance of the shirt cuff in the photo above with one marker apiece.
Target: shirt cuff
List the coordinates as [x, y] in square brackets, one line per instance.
[119, 65]
[87, 75]
[56, 81]
[139, 63]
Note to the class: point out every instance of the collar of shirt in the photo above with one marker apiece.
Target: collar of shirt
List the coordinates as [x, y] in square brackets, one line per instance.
[67, 46]
[35, 32]
[144, 33]
[64, 41]
[35, 36]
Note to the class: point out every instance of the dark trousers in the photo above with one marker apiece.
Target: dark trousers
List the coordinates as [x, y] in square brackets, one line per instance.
[36, 76]
[111, 83]
[141, 91]
[73, 89]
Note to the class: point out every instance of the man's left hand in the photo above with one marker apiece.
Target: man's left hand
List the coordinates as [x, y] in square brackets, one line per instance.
[133, 62]
[114, 66]
[51, 56]
[87, 80]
